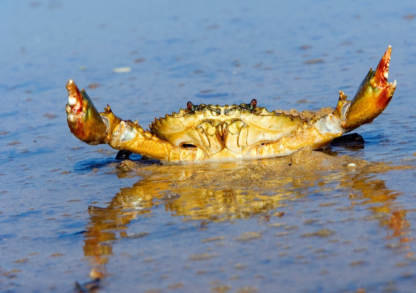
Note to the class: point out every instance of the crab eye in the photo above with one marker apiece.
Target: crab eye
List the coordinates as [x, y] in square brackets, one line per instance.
[190, 106]
[253, 104]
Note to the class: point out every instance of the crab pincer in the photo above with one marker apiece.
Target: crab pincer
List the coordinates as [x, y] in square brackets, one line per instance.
[373, 95]
[83, 119]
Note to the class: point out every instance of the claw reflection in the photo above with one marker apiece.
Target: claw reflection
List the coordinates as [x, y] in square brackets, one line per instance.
[371, 190]
[240, 190]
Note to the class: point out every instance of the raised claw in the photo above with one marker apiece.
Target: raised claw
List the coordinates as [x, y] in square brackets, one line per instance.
[83, 119]
[372, 97]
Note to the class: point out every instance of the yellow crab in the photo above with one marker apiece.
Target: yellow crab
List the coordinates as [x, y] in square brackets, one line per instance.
[208, 132]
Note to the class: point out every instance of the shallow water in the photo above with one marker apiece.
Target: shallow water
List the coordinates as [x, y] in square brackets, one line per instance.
[67, 211]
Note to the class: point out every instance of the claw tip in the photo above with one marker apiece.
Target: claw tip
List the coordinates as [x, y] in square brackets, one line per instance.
[389, 51]
[382, 71]
[73, 93]
[71, 86]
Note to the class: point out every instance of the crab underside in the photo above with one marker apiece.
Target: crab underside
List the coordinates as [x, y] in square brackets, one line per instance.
[208, 132]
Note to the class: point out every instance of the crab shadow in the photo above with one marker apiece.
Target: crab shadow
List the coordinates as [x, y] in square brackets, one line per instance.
[89, 165]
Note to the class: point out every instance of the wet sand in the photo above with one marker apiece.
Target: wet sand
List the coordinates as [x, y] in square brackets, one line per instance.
[339, 220]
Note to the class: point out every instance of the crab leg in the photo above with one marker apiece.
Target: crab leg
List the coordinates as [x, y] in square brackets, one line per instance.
[92, 127]
[314, 135]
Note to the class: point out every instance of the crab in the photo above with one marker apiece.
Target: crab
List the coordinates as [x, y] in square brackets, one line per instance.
[211, 132]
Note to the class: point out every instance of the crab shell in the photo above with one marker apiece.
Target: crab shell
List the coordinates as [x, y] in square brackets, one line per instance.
[225, 130]
[207, 132]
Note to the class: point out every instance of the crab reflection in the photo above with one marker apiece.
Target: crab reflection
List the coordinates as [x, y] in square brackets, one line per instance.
[371, 190]
[235, 190]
